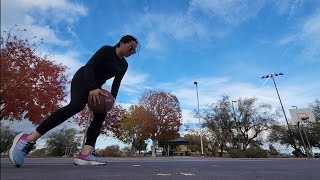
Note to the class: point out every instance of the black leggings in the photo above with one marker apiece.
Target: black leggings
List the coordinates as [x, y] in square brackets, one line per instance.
[79, 99]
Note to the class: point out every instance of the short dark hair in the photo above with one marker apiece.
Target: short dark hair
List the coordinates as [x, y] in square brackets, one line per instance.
[128, 38]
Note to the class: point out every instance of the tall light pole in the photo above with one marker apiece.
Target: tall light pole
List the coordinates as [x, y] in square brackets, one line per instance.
[237, 124]
[274, 82]
[202, 154]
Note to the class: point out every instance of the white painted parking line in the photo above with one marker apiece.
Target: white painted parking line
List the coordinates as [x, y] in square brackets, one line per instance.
[187, 174]
[163, 174]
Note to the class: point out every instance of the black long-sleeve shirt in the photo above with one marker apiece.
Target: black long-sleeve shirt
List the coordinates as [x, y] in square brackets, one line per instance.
[103, 65]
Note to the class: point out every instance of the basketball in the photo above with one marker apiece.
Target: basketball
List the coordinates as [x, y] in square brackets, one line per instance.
[106, 103]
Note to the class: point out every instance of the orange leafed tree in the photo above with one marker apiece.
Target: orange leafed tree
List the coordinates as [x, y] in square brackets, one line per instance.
[32, 86]
[133, 128]
[163, 116]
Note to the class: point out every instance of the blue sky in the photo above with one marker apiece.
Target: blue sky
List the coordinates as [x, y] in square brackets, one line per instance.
[224, 45]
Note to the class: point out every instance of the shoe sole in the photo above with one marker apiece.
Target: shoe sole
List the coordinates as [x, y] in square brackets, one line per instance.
[15, 140]
[80, 162]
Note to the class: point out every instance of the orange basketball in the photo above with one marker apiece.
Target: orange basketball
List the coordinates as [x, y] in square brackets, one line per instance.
[106, 103]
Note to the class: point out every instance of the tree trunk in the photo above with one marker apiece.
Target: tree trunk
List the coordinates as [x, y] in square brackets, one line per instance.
[300, 151]
[133, 150]
[153, 148]
[221, 150]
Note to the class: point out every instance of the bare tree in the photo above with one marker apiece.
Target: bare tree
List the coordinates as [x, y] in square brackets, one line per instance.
[248, 119]
[253, 119]
[219, 122]
[315, 106]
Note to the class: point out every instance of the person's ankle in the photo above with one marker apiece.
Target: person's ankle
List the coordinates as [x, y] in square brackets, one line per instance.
[34, 136]
[87, 150]
[30, 139]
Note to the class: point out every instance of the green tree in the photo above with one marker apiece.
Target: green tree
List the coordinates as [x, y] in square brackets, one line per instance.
[315, 106]
[219, 122]
[39, 152]
[253, 119]
[59, 141]
[249, 119]
[279, 134]
[273, 151]
[6, 138]
[255, 150]
[314, 128]
[194, 143]
[313, 134]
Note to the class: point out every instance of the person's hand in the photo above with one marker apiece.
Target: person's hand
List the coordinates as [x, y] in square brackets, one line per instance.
[94, 96]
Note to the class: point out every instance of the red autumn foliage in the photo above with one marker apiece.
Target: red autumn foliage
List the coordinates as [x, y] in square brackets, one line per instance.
[163, 115]
[111, 125]
[32, 86]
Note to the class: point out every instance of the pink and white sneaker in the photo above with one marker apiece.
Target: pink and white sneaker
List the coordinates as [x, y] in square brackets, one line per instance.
[89, 159]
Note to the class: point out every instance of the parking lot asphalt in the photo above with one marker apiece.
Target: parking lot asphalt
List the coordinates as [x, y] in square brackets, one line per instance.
[164, 168]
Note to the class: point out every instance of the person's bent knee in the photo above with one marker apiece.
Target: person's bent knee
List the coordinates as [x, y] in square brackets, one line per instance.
[76, 107]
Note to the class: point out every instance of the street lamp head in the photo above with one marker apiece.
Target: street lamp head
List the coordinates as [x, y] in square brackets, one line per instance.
[278, 74]
[195, 82]
[271, 75]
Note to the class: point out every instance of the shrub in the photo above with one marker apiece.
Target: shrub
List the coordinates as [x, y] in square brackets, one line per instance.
[110, 151]
[256, 153]
[236, 153]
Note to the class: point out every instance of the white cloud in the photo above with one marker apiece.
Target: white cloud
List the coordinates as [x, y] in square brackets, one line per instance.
[228, 11]
[293, 7]
[153, 42]
[133, 83]
[188, 116]
[134, 79]
[58, 10]
[156, 29]
[71, 59]
[310, 35]
[312, 26]
[287, 7]
[306, 38]
[36, 15]
[182, 27]
[287, 39]
[177, 25]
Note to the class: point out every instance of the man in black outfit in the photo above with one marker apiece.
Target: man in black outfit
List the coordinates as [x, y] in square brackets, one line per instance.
[106, 63]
